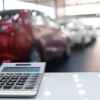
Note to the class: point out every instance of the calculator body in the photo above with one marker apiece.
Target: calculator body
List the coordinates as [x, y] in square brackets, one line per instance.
[20, 79]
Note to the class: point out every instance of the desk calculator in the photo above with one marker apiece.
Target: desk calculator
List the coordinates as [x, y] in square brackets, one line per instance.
[20, 79]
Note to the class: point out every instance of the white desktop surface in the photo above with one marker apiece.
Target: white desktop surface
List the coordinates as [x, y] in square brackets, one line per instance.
[68, 86]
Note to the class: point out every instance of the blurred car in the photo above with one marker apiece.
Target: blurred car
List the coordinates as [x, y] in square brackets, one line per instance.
[78, 33]
[91, 32]
[24, 37]
[97, 29]
[53, 41]
[15, 35]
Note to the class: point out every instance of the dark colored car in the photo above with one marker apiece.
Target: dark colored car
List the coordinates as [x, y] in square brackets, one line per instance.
[27, 36]
[55, 44]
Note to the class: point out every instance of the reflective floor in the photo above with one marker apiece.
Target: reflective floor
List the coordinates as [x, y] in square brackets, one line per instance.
[81, 60]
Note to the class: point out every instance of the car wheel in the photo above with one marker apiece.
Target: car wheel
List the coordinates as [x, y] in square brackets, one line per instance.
[35, 55]
[93, 39]
[83, 42]
[67, 53]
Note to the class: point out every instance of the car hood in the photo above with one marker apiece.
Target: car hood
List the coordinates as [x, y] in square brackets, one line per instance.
[44, 31]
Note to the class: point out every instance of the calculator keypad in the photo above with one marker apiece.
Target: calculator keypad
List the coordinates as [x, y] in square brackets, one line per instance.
[19, 80]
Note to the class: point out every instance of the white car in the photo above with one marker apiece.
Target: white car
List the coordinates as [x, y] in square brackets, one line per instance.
[78, 33]
[91, 32]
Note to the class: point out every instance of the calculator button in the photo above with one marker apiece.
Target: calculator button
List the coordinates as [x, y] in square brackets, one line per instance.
[20, 83]
[10, 83]
[24, 77]
[29, 87]
[30, 84]
[15, 77]
[3, 80]
[0, 86]
[9, 74]
[7, 87]
[2, 83]
[6, 76]
[12, 80]
[18, 86]
[22, 80]
[35, 76]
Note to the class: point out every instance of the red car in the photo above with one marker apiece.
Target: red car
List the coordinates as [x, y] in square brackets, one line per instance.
[15, 35]
[23, 39]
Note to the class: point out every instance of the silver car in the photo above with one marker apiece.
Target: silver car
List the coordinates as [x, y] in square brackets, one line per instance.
[79, 33]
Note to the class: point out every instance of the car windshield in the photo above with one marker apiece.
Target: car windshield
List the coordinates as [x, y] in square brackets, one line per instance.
[52, 23]
[38, 19]
[8, 16]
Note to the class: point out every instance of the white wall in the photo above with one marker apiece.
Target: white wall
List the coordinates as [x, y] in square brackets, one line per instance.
[83, 9]
[1, 5]
[15, 4]
[91, 21]
[50, 11]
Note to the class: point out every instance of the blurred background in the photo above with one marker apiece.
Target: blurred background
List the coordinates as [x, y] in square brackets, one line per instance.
[74, 25]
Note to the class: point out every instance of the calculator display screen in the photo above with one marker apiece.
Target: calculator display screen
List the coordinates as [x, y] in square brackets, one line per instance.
[21, 69]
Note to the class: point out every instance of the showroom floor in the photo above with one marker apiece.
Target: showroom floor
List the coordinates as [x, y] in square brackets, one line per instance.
[81, 60]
